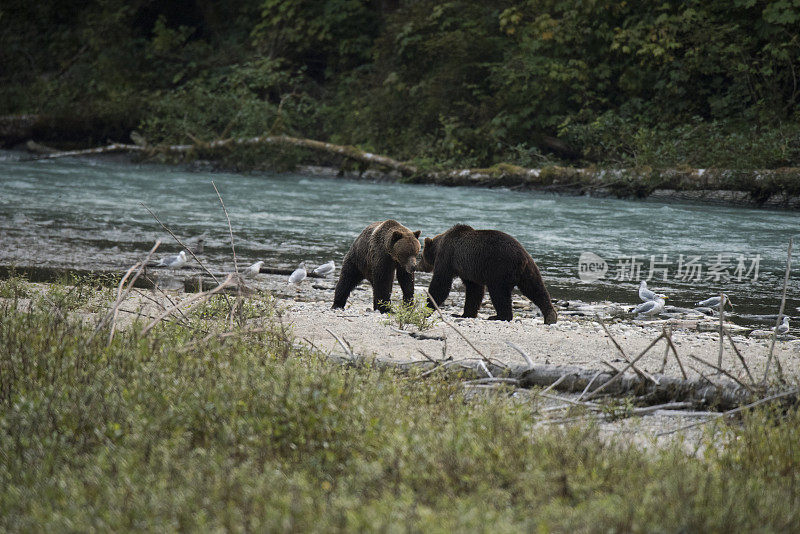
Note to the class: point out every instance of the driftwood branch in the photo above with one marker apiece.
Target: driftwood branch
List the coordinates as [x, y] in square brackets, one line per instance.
[702, 394]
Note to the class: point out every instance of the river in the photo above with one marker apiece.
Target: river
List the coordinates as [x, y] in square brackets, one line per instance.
[89, 213]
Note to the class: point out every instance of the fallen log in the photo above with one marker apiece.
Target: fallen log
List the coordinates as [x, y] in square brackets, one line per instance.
[700, 393]
[766, 187]
[115, 147]
[346, 151]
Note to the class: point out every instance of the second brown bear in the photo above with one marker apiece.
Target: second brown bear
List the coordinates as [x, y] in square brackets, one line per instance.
[381, 250]
[484, 259]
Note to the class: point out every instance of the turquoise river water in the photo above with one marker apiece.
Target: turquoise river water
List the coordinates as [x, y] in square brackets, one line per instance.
[88, 213]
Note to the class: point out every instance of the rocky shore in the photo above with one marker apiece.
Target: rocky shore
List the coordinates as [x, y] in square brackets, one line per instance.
[577, 339]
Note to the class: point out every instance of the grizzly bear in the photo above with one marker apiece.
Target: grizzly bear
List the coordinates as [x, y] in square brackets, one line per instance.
[382, 249]
[484, 259]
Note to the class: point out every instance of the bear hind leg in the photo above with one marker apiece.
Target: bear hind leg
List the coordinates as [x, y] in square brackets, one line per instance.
[501, 300]
[532, 286]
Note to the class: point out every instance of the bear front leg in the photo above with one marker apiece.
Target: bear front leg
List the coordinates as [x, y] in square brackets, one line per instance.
[439, 288]
[383, 277]
[474, 297]
[406, 281]
[349, 278]
[501, 299]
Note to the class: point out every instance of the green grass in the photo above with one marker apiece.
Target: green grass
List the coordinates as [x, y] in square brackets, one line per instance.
[415, 313]
[14, 287]
[159, 433]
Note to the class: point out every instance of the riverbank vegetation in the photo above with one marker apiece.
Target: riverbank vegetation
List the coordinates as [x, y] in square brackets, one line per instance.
[442, 84]
[185, 428]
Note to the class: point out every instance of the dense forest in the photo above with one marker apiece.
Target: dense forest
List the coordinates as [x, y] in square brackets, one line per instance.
[461, 83]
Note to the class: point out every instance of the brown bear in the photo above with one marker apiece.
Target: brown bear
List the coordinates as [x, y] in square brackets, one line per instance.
[382, 249]
[484, 259]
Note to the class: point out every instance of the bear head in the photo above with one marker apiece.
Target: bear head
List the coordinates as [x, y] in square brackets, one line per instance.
[404, 248]
[429, 254]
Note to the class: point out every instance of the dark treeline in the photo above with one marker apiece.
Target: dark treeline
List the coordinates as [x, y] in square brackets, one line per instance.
[464, 83]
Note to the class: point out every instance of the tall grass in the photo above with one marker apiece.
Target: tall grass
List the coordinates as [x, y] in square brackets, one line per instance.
[252, 433]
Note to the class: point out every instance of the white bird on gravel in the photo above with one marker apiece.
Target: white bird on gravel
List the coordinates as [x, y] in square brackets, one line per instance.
[299, 274]
[645, 294]
[175, 262]
[783, 328]
[253, 270]
[325, 269]
[713, 302]
[651, 307]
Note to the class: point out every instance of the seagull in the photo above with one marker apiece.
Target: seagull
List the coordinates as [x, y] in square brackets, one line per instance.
[325, 269]
[253, 270]
[299, 274]
[645, 294]
[175, 262]
[783, 328]
[713, 302]
[651, 307]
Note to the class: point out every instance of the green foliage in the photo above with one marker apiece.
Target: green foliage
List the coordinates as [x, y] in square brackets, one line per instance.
[327, 37]
[252, 433]
[245, 309]
[415, 313]
[697, 143]
[14, 287]
[446, 84]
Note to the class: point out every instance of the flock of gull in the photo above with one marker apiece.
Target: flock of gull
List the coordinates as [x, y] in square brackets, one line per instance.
[297, 276]
[300, 273]
[653, 304]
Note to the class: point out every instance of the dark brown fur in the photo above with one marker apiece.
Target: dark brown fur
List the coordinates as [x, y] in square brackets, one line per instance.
[381, 250]
[484, 259]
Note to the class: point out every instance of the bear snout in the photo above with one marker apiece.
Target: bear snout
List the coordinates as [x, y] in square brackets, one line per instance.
[411, 265]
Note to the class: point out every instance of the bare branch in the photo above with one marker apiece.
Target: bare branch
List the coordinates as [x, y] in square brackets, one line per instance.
[230, 229]
[619, 375]
[780, 311]
[522, 352]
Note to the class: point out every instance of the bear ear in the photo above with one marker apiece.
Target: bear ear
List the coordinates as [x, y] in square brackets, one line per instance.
[416, 234]
[397, 235]
[427, 241]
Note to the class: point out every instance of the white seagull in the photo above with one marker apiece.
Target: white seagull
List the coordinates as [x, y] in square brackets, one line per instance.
[645, 294]
[299, 274]
[713, 302]
[253, 270]
[651, 307]
[783, 328]
[175, 262]
[325, 269]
